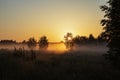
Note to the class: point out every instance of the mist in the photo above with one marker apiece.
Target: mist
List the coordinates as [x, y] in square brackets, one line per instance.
[91, 48]
[60, 47]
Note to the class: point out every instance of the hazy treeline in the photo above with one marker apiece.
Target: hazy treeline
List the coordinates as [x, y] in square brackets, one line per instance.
[8, 42]
[89, 40]
[69, 41]
[77, 40]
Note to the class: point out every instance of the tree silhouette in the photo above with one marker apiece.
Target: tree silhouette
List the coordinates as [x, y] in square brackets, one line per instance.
[91, 39]
[84, 39]
[43, 42]
[111, 24]
[8, 42]
[77, 39]
[32, 43]
[69, 41]
[24, 42]
[80, 40]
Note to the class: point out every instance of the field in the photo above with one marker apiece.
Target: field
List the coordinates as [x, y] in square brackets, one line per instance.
[83, 64]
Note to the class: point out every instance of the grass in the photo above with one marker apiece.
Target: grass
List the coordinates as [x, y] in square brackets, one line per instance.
[71, 65]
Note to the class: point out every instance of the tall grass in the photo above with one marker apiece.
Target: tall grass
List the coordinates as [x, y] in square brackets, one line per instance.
[19, 64]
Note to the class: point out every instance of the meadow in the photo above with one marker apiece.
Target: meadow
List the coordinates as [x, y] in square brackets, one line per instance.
[85, 62]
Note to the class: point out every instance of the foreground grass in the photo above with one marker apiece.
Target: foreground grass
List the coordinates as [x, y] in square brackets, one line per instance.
[73, 65]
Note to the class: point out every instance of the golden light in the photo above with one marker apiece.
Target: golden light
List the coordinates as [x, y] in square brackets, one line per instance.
[69, 38]
[58, 47]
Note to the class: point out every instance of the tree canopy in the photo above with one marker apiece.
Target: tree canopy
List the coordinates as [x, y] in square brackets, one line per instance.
[32, 42]
[43, 42]
[111, 23]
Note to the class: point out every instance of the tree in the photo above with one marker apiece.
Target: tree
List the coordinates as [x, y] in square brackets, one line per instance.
[77, 39]
[43, 42]
[101, 37]
[91, 37]
[8, 42]
[32, 42]
[80, 40]
[24, 42]
[111, 24]
[69, 41]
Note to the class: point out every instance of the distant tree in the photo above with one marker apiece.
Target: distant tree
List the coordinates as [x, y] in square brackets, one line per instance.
[84, 39]
[32, 43]
[91, 38]
[111, 24]
[69, 41]
[43, 42]
[77, 39]
[80, 40]
[8, 42]
[24, 42]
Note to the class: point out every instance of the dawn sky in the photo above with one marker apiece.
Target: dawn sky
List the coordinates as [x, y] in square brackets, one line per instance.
[21, 19]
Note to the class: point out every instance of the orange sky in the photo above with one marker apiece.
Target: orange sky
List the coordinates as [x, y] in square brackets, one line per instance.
[21, 19]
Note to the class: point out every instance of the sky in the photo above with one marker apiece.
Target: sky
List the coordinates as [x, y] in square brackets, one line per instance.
[22, 19]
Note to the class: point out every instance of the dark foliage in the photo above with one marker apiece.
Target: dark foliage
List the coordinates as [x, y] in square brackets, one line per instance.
[80, 40]
[32, 43]
[89, 40]
[102, 37]
[67, 66]
[111, 25]
[24, 42]
[8, 42]
[43, 42]
[19, 52]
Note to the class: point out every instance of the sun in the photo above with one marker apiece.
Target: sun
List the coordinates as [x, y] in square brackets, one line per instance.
[69, 38]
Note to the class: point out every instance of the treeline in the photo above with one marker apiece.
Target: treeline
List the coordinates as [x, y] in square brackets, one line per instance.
[42, 42]
[31, 42]
[70, 41]
[76, 40]
[89, 40]
[8, 42]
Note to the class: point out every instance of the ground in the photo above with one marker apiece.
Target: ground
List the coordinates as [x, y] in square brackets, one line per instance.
[70, 65]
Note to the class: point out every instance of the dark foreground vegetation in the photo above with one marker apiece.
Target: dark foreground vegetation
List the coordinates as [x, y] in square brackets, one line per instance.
[20, 64]
[111, 24]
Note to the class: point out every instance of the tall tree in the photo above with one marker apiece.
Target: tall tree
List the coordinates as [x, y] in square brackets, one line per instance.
[111, 24]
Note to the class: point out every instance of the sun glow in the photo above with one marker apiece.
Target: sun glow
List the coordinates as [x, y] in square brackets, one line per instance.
[69, 38]
[53, 19]
[56, 47]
